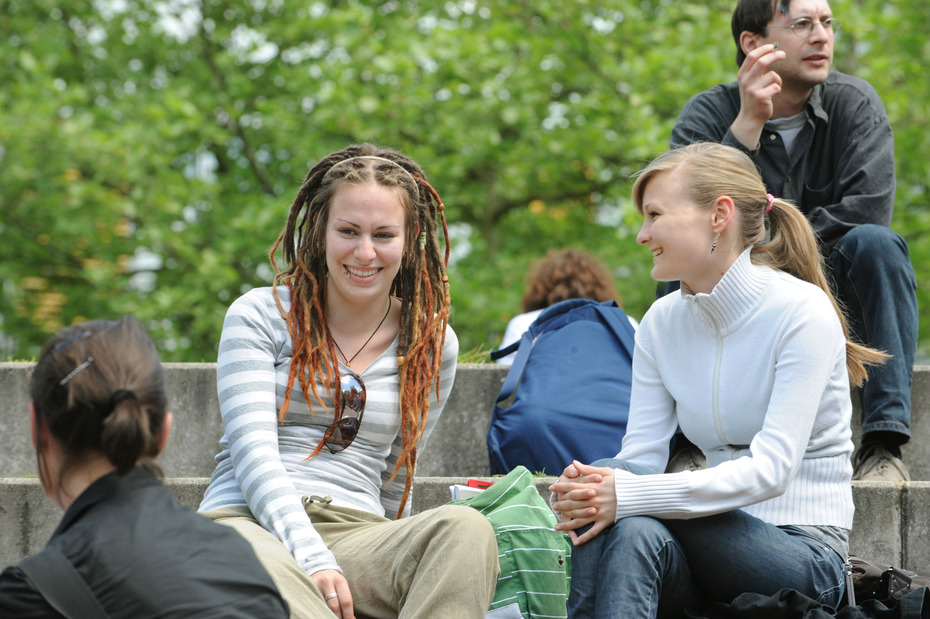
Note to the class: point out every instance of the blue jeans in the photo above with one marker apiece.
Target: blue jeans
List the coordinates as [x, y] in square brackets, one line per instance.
[874, 280]
[646, 567]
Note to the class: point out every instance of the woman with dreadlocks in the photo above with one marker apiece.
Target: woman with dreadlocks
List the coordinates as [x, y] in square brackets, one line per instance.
[329, 383]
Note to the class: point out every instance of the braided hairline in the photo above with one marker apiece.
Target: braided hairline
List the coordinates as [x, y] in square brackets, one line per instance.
[374, 158]
[422, 286]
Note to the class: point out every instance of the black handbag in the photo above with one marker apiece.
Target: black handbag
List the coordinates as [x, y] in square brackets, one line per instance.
[885, 583]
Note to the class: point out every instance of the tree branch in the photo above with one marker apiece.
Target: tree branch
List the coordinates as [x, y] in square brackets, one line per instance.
[222, 88]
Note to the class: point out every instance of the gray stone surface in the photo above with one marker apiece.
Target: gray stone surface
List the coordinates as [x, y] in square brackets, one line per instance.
[915, 529]
[890, 524]
[877, 524]
[457, 447]
[17, 457]
[916, 452]
[191, 397]
[27, 519]
[197, 424]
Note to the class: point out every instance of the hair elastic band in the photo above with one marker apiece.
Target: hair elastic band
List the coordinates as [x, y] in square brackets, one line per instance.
[73, 373]
[771, 202]
[122, 394]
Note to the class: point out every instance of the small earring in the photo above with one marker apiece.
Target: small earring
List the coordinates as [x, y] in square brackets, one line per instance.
[714, 246]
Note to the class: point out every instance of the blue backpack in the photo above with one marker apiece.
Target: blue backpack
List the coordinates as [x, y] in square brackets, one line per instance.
[570, 389]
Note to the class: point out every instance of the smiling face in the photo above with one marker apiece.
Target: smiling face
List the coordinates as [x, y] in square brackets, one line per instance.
[676, 231]
[808, 59]
[364, 242]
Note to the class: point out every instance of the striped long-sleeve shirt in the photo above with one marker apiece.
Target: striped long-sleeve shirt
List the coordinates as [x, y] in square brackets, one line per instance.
[263, 465]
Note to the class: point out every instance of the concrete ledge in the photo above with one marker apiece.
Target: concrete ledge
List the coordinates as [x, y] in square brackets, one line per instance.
[890, 525]
[191, 397]
[458, 445]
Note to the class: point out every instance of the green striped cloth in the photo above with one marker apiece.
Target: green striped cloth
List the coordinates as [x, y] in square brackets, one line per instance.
[535, 559]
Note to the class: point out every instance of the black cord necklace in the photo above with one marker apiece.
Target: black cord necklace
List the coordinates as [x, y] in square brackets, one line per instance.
[349, 361]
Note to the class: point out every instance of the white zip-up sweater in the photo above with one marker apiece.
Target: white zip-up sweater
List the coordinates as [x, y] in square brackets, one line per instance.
[264, 465]
[755, 374]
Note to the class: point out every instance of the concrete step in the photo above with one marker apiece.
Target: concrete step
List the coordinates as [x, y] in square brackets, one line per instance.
[891, 524]
[458, 446]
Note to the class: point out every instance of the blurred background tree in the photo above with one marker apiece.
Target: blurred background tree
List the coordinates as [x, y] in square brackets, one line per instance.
[149, 150]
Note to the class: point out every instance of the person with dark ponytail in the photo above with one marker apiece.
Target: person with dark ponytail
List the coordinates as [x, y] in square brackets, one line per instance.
[753, 360]
[99, 418]
[330, 382]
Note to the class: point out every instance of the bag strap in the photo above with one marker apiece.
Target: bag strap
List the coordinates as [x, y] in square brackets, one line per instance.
[619, 324]
[515, 373]
[542, 323]
[500, 353]
[62, 587]
[850, 584]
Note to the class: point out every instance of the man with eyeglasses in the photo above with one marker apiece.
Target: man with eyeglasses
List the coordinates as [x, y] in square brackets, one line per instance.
[822, 139]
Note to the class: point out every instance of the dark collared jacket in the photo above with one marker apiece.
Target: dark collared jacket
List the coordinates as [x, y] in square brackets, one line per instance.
[840, 172]
[142, 555]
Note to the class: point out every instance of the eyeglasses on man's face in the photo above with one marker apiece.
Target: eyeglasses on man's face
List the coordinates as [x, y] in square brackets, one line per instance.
[803, 27]
[340, 434]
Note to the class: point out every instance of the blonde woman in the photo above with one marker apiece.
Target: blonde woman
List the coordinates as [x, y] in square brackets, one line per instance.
[753, 361]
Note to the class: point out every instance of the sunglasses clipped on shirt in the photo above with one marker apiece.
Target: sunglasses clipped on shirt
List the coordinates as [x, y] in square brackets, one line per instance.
[340, 433]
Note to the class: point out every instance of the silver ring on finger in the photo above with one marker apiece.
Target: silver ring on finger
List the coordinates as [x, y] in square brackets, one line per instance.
[331, 596]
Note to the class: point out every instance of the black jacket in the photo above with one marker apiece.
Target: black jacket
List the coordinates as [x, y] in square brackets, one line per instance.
[143, 555]
[789, 603]
[840, 172]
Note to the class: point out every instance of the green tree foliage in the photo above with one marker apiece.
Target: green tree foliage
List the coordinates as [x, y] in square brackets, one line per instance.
[149, 150]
